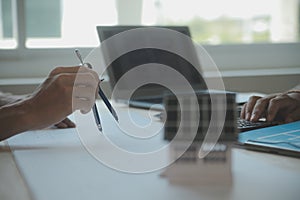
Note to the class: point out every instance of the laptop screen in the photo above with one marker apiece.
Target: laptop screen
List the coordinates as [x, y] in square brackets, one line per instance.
[138, 57]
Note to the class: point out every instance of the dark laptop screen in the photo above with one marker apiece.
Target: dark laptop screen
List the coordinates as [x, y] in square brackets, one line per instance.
[138, 57]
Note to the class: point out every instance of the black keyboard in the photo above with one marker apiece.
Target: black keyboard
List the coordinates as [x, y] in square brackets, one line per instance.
[244, 125]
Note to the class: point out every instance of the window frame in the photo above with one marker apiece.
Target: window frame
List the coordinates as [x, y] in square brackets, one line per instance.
[25, 62]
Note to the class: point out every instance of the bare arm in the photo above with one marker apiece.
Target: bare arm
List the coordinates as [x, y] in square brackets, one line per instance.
[8, 98]
[64, 91]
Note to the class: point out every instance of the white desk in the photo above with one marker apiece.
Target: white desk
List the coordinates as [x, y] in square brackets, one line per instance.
[53, 164]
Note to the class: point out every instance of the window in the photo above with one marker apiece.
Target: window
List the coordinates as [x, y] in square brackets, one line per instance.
[71, 23]
[238, 34]
[56, 23]
[36, 35]
[229, 21]
[67, 23]
[7, 39]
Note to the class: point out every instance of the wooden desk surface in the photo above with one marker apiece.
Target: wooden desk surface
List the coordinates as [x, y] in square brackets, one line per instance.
[53, 164]
[12, 185]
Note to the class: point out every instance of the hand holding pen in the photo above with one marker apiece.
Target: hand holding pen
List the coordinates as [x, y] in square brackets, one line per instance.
[101, 94]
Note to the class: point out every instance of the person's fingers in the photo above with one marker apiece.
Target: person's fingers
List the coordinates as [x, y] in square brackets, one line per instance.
[87, 69]
[243, 111]
[84, 94]
[277, 104]
[69, 122]
[259, 108]
[73, 70]
[61, 125]
[59, 70]
[85, 86]
[79, 88]
[87, 79]
[64, 80]
[83, 104]
[88, 92]
[293, 116]
[84, 99]
[73, 81]
[66, 123]
[249, 107]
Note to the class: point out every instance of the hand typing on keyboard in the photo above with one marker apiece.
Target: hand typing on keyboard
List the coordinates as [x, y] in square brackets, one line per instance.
[283, 107]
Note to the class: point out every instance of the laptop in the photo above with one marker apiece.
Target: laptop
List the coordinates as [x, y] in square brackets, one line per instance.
[149, 95]
[281, 139]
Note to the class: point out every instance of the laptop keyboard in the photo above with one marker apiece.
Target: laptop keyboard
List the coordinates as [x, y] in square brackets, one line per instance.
[244, 125]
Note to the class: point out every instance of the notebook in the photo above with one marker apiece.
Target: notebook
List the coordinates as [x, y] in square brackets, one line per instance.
[281, 139]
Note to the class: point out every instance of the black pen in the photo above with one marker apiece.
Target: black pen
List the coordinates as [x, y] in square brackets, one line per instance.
[95, 110]
[107, 103]
[104, 98]
[100, 91]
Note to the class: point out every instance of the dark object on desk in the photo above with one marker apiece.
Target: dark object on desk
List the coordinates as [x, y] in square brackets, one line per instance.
[217, 112]
[155, 104]
[282, 139]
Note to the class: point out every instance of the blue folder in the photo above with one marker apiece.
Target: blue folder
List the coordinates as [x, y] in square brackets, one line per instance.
[281, 139]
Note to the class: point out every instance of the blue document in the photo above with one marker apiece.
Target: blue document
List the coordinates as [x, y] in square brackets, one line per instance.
[282, 139]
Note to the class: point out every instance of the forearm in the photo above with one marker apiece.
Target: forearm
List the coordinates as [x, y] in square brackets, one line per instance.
[14, 118]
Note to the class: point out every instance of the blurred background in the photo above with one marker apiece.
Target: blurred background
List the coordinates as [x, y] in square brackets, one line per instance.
[255, 43]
